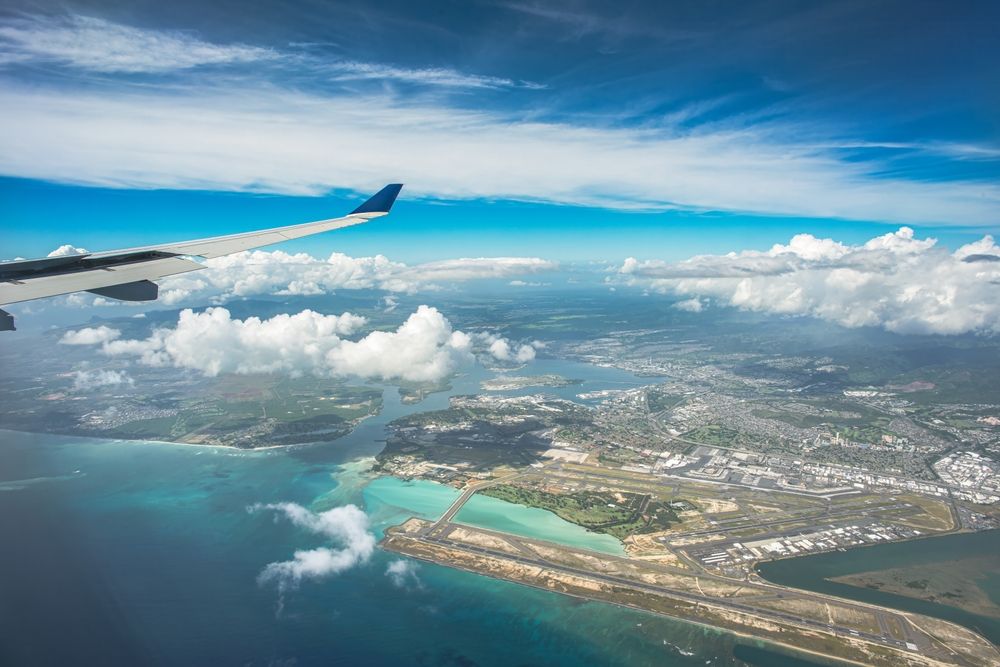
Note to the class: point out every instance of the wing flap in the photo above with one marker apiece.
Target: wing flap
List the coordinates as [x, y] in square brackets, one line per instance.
[64, 283]
[26, 267]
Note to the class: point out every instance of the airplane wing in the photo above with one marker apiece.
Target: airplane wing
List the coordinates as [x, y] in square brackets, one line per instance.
[128, 274]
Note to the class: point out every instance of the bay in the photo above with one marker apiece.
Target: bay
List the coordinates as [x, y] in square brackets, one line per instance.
[814, 573]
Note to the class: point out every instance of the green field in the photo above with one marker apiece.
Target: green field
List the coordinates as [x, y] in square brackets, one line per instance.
[617, 514]
[249, 411]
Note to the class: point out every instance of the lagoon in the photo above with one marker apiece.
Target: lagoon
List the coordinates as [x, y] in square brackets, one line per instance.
[390, 501]
[500, 515]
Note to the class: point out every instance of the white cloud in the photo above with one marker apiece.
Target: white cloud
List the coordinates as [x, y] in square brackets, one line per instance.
[66, 250]
[194, 138]
[85, 380]
[346, 527]
[97, 45]
[693, 305]
[985, 249]
[423, 348]
[278, 272]
[213, 343]
[474, 268]
[502, 349]
[895, 281]
[390, 302]
[434, 76]
[90, 336]
[403, 574]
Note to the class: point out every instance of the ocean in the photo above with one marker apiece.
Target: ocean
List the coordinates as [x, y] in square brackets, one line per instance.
[139, 553]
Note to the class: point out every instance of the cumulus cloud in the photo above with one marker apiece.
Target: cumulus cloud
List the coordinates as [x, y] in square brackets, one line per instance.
[90, 336]
[476, 268]
[895, 281]
[66, 250]
[346, 527]
[213, 342]
[97, 45]
[403, 574]
[85, 380]
[278, 272]
[423, 348]
[693, 305]
[300, 274]
[389, 302]
[502, 349]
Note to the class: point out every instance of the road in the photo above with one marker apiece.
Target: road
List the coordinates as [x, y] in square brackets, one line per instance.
[469, 491]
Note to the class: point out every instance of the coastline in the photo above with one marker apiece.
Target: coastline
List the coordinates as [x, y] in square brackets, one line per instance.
[829, 660]
[228, 448]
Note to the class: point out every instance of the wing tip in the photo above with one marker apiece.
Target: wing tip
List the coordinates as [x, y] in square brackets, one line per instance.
[381, 201]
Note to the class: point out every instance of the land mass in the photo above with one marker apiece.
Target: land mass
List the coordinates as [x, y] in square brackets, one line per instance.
[514, 382]
[804, 621]
[241, 411]
[957, 584]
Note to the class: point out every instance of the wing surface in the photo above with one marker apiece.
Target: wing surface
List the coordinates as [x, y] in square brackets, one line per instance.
[114, 273]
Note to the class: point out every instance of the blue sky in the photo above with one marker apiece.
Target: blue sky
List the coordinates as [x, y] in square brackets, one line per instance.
[568, 131]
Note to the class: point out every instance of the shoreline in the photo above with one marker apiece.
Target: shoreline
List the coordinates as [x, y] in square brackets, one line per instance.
[497, 562]
[623, 605]
[228, 448]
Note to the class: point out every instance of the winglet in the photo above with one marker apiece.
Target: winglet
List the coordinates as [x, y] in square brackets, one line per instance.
[381, 201]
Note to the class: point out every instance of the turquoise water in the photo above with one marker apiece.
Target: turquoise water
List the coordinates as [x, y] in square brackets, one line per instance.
[390, 501]
[496, 514]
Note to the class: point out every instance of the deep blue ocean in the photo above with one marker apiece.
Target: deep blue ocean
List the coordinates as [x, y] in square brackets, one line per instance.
[136, 553]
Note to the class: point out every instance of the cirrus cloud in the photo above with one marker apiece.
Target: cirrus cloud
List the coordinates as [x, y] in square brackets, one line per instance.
[96, 45]
[193, 137]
